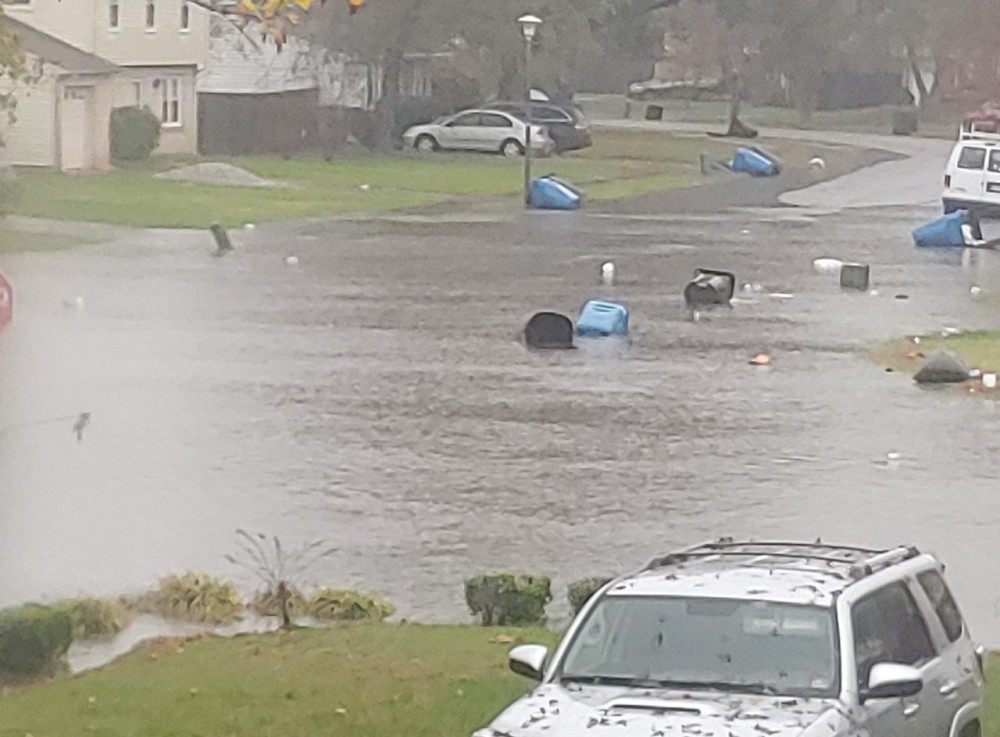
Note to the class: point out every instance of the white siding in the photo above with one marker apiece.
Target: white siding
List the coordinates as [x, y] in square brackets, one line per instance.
[133, 44]
[30, 140]
[178, 139]
[237, 64]
[71, 21]
[85, 24]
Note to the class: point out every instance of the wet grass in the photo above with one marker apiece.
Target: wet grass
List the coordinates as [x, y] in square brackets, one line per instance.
[405, 681]
[391, 681]
[979, 349]
[13, 240]
[619, 165]
[862, 120]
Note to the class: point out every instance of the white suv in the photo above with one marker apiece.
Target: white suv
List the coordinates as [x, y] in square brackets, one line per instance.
[750, 639]
[972, 179]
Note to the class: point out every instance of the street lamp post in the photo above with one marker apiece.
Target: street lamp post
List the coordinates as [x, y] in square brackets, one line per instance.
[529, 26]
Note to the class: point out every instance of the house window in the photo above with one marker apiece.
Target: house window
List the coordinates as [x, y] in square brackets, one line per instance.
[114, 19]
[137, 93]
[185, 16]
[150, 13]
[170, 114]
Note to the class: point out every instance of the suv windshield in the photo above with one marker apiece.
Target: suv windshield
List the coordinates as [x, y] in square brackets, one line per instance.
[727, 644]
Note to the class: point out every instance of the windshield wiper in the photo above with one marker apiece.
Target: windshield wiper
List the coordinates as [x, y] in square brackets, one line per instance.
[611, 681]
[752, 688]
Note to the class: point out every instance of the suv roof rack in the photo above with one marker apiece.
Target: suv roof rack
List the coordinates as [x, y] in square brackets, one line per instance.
[844, 561]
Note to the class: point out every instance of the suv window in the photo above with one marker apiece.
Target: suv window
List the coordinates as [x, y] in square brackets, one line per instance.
[888, 628]
[550, 114]
[972, 158]
[995, 161]
[944, 603]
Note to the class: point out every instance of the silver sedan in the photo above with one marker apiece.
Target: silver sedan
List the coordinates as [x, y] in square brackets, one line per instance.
[479, 130]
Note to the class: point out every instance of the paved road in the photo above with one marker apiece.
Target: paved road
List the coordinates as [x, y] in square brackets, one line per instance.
[915, 180]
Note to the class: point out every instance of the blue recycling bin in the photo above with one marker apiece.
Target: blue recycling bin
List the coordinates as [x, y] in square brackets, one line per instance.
[750, 162]
[945, 232]
[550, 193]
[602, 319]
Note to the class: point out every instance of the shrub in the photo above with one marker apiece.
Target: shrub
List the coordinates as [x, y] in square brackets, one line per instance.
[10, 190]
[579, 592]
[268, 603]
[33, 639]
[508, 599]
[194, 597]
[135, 134]
[345, 605]
[95, 619]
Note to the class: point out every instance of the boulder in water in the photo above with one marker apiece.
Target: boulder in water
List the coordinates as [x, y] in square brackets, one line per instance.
[942, 367]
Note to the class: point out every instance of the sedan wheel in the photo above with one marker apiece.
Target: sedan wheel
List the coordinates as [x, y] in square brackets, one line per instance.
[426, 145]
[510, 149]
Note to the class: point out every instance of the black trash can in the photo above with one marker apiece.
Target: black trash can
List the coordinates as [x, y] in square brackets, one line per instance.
[905, 121]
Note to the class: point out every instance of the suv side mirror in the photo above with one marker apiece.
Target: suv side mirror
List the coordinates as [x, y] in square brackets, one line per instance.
[528, 661]
[892, 681]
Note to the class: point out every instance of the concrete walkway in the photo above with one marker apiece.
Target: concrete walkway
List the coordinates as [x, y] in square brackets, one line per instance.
[915, 180]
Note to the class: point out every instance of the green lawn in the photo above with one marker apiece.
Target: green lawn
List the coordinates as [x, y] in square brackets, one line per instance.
[979, 349]
[861, 120]
[363, 681]
[620, 164]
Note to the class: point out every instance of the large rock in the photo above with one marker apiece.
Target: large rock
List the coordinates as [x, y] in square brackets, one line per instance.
[942, 368]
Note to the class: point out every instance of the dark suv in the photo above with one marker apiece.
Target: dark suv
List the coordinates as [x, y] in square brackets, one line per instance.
[566, 125]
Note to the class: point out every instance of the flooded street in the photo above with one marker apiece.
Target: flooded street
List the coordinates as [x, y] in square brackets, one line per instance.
[377, 396]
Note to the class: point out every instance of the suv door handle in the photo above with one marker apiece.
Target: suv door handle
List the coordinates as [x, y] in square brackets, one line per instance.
[911, 710]
[948, 688]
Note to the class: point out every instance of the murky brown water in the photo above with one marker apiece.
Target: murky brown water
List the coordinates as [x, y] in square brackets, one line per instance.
[377, 396]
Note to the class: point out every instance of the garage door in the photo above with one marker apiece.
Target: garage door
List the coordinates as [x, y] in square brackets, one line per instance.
[75, 134]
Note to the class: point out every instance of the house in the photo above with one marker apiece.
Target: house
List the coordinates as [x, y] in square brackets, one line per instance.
[253, 98]
[156, 45]
[62, 117]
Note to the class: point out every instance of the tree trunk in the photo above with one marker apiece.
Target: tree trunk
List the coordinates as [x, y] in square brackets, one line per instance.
[918, 77]
[284, 597]
[385, 109]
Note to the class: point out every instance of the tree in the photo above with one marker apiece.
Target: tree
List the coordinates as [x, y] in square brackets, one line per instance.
[12, 70]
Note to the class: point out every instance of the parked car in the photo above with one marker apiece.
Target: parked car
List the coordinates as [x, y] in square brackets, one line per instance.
[742, 639]
[972, 179]
[566, 125]
[479, 130]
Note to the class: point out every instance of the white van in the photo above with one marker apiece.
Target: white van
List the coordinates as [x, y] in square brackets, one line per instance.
[972, 179]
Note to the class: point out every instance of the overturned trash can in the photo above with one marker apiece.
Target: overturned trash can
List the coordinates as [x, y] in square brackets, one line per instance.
[710, 165]
[750, 162]
[855, 276]
[709, 288]
[549, 331]
[948, 231]
[551, 193]
[602, 319]
[777, 163]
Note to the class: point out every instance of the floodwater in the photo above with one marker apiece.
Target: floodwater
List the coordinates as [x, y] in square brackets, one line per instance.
[376, 396]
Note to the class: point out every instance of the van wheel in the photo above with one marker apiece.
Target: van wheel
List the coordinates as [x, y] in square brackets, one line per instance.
[511, 148]
[426, 144]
